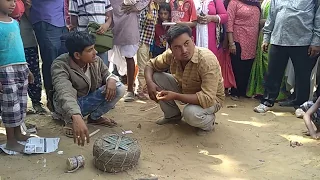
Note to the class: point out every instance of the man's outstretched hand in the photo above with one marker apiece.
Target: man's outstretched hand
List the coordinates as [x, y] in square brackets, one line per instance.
[80, 130]
[166, 96]
[153, 89]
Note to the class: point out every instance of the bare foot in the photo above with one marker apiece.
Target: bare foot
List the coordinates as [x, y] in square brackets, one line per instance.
[13, 145]
[103, 121]
[306, 133]
[316, 136]
[22, 137]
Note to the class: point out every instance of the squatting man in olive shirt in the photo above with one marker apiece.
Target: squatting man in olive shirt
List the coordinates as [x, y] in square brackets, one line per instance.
[195, 79]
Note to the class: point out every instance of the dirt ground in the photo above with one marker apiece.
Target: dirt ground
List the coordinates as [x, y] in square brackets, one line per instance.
[245, 145]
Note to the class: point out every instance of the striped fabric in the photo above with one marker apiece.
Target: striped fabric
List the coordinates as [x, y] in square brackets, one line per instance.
[96, 11]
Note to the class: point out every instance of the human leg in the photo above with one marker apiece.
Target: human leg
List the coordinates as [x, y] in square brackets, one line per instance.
[142, 59]
[315, 117]
[129, 51]
[303, 65]
[34, 90]
[237, 70]
[170, 109]
[95, 105]
[14, 80]
[23, 99]
[246, 70]
[48, 37]
[129, 97]
[201, 118]
[63, 49]
[278, 60]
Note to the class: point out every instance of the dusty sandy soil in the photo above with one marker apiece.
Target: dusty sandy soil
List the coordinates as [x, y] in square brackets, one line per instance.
[245, 145]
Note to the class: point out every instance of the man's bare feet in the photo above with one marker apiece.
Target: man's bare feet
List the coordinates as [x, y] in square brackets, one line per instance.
[306, 133]
[316, 136]
[13, 145]
[102, 121]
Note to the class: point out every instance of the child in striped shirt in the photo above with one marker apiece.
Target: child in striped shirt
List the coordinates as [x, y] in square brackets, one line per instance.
[84, 11]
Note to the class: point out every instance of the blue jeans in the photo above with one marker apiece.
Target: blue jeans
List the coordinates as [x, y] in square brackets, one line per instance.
[104, 57]
[51, 46]
[95, 104]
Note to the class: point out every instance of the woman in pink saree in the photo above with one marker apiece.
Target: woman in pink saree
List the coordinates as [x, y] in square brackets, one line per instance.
[212, 16]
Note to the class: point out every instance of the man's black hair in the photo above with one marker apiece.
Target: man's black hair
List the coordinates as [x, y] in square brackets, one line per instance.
[177, 30]
[77, 41]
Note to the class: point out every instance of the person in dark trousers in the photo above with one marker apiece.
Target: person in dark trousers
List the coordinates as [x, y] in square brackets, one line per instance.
[49, 25]
[32, 58]
[242, 31]
[293, 31]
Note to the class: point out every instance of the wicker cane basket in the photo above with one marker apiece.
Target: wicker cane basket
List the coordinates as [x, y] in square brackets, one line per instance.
[115, 153]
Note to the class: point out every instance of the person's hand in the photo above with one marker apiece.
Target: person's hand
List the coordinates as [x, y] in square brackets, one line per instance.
[153, 89]
[232, 49]
[71, 27]
[80, 130]
[166, 96]
[103, 28]
[314, 51]
[28, 4]
[111, 88]
[129, 8]
[30, 78]
[203, 19]
[265, 47]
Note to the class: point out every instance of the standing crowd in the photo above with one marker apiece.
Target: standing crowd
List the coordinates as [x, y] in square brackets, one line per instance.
[202, 50]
